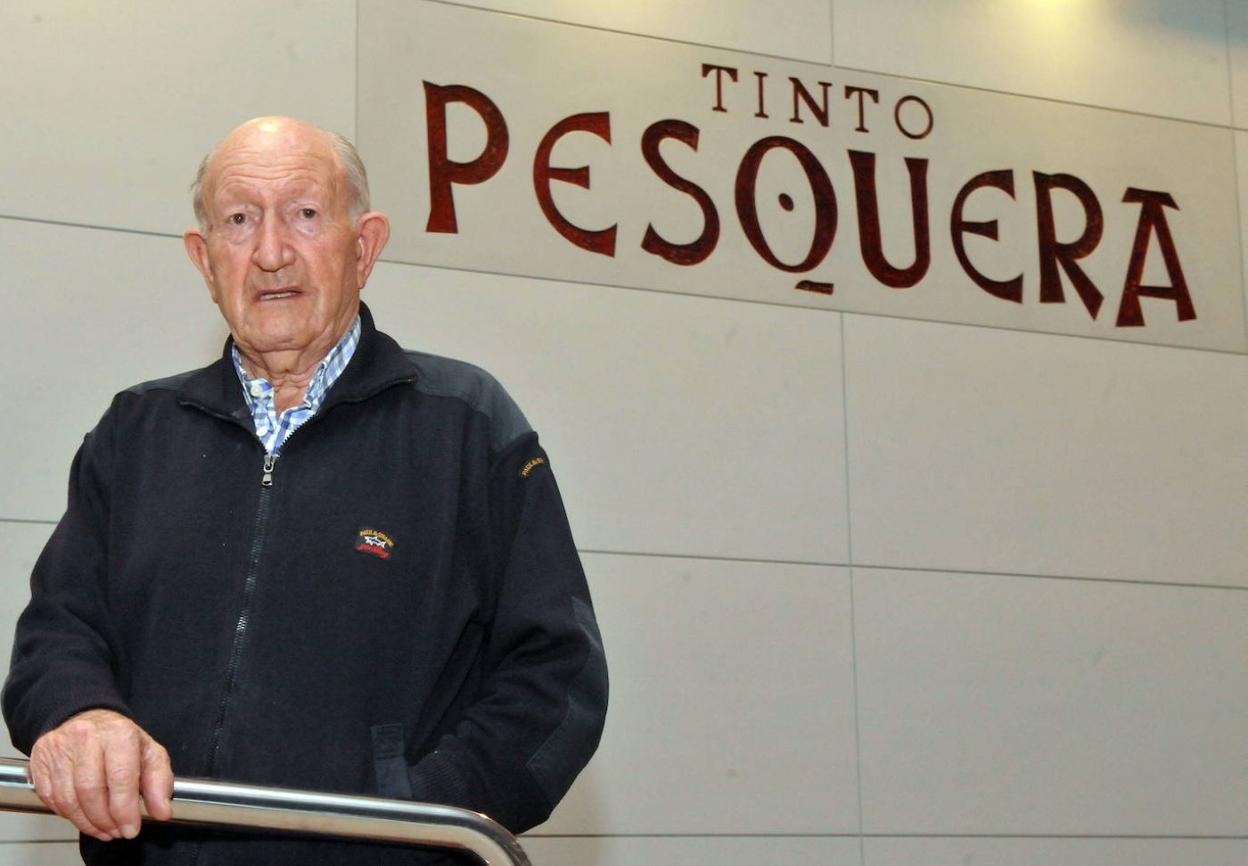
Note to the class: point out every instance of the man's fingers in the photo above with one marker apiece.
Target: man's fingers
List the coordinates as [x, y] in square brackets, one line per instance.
[79, 819]
[90, 789]
[53, 777]
[93, 767]
[66, 800]
[41, 778]
[121, 764]
[157, 780]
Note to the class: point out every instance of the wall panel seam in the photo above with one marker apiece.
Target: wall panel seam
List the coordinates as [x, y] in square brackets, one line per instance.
[1239, 219]
[819, 310]
[694, 295]
[1235, 172]
[934, 82]
[89, 226]
[832, 43]
[919, 80]
[355, 134]
[747, 560]
[853, 627]
[1230, 61]
[931, 569]
[635, 34]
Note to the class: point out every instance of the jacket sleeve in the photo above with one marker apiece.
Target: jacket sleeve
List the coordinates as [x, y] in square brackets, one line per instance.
[62, 662]
[516, 751]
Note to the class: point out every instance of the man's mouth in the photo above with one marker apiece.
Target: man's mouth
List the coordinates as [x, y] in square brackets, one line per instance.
[278, 294]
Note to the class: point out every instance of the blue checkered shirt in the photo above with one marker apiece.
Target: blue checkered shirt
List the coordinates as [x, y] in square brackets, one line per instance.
[273, 430]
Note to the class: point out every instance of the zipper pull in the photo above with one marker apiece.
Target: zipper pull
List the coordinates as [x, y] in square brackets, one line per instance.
[266, 480]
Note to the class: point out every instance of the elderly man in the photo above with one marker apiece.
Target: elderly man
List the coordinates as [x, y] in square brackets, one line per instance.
[320, 562]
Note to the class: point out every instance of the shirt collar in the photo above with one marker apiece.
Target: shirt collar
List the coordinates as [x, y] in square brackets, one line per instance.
[260, 391]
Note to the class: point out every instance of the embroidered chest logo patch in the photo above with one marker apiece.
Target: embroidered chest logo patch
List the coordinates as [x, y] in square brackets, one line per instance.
[374, 542]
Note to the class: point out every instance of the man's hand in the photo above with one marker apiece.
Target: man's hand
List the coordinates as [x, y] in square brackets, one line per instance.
[92, 770]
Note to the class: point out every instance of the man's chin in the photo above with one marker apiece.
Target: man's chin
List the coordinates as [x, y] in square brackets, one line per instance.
[271, 341]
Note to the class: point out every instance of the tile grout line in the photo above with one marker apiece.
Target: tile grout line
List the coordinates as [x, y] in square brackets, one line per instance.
[355, 137]
[1051, 100]
[853, 611]
[1239, 199]
[1230, 77]
[1019, 575]
[92, 227]
[698, 296]
[913, 568]
[824, 310]
[832, 41]
[932, 82]
[598, 28]
[849, 535]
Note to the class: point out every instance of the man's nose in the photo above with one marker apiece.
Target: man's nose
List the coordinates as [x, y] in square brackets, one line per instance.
[273, 250]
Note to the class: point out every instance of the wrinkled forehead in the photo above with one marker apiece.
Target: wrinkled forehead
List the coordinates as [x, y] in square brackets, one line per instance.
[261, 157]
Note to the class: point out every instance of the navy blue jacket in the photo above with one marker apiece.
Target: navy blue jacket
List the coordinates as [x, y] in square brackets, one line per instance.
[399, 610]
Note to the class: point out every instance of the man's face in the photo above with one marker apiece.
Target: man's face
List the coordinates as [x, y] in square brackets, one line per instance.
[282, 258]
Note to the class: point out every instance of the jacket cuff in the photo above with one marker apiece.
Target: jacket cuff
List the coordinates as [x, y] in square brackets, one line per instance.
[64, 707]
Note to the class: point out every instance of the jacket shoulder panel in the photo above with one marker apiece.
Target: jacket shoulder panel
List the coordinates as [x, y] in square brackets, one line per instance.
[168, 383]
[459, 380]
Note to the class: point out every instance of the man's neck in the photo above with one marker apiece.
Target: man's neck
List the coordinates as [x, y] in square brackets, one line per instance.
[292, 373]
[289, 373]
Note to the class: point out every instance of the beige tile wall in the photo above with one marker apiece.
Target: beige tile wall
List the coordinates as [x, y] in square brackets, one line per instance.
[875, 591]
[1041, 454]
[110, 106]
[1159, 57]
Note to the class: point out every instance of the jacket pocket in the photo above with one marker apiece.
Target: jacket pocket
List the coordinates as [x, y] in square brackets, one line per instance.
[390, 762]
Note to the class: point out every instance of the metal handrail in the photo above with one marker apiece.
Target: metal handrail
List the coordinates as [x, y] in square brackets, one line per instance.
[226, 804]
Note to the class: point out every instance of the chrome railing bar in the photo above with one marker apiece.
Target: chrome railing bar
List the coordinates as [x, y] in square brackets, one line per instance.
[205, 802]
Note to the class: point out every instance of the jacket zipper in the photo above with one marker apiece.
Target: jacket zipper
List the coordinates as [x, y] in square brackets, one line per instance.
[259, 534]
[258, 537]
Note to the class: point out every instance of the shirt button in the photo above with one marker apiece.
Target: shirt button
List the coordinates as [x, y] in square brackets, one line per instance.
[257, 389]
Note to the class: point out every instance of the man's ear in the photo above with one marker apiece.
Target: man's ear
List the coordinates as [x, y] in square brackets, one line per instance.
[374, 231]
[197, 248]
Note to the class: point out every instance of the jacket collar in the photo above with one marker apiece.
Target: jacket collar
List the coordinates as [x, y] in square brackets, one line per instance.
[377, 364]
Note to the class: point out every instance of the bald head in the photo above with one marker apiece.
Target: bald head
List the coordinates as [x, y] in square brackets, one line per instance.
[296, 135]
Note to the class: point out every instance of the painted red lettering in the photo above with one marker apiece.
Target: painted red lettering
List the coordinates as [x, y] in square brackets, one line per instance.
[860, 92]
[1153, 222]
[820, 111]
[762, 112]
[599, 123]
[869, 221]
[443, 171]
[1053, 253]
[820, 186]
[1006, 290]
[702, 246]
[924, 107]
[707, 69]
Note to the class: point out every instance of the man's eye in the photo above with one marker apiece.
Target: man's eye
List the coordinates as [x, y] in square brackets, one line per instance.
[307, 213]
[236, 219]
